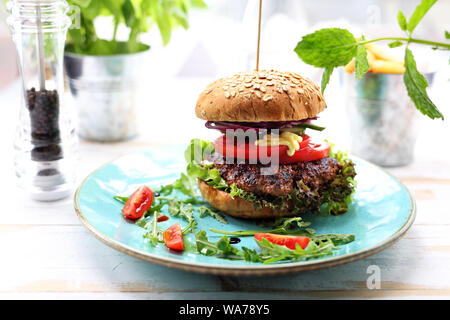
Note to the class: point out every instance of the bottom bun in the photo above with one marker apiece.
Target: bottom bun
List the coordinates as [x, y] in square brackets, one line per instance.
[237, 207]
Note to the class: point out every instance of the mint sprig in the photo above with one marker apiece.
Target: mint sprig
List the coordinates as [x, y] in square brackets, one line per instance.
[361, 63]
[416, 85]
[419, 13]
[333, 47]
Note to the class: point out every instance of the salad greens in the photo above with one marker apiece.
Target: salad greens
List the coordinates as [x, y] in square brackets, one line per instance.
[191, 206]
[333, 47]
[269, 253]
[293, 227]
[137, 15]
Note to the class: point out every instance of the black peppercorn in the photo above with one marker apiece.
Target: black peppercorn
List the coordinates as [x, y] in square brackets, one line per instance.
[44, 116]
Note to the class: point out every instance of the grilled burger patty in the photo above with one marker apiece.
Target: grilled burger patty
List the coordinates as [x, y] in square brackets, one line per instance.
[248, 177]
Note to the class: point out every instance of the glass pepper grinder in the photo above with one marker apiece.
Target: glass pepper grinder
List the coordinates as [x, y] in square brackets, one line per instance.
[45, 142]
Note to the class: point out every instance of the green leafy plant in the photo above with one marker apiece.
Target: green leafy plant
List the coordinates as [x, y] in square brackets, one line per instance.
[138, 15]
[333, 47]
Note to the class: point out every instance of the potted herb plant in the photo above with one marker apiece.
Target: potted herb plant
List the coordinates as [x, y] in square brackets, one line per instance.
[102, 74]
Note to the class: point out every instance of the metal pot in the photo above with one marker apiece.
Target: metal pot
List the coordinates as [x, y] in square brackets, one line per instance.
[104, 91]
[384, 123]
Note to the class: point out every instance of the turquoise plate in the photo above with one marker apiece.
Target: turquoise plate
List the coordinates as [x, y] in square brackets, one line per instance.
[382, 211]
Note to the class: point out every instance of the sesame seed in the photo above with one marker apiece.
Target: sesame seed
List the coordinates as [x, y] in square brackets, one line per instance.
[227, 94]
[267, 97]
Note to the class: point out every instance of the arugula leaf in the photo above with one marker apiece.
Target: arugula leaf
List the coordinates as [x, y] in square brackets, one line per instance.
[222, 248]
[325, 78]
[418, 14]
[280, 226]
[416, 85]
[327, 48]
[154, 233]
[209, 211]
[273, 253]
[361, 63]
[402, 21]
[186, 184]
[447, 34]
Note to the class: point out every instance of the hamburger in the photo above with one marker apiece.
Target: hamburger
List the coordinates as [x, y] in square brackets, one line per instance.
[266, 162]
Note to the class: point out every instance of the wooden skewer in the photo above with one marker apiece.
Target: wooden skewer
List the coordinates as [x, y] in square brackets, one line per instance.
[259, 36]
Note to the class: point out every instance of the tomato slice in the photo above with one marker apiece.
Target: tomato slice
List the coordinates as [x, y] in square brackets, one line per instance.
[138, 203]
[173, 237]
[313, 151]
[282, 240]
[309, 150]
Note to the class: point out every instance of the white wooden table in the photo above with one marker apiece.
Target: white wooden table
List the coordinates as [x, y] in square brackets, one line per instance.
[46, 253]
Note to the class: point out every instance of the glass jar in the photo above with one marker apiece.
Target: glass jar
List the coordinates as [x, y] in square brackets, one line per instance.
[45, 141]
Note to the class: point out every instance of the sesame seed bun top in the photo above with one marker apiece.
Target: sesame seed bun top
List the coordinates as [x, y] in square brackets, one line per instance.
[266, 95]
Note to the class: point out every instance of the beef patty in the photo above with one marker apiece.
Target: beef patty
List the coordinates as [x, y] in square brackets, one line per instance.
[249, 177]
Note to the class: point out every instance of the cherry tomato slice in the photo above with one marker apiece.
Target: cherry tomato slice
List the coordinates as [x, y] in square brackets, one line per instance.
[282, 240]
[309, 150]
[173, 237]
[138, 203]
